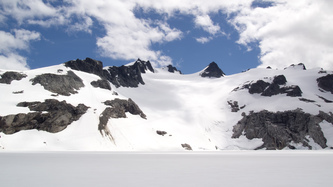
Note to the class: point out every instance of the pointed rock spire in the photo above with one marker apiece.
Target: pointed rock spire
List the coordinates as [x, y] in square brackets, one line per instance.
[212, 70]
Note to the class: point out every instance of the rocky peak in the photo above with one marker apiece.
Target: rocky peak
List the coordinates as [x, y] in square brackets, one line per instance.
[212, 70]
[143, 66]
[299, 66]
[128, 76]
[88, 65]
[173, 69]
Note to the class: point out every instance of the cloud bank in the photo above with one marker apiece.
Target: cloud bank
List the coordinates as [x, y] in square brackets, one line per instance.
[285, 31]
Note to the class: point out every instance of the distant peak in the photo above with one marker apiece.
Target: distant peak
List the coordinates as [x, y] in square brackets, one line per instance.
[212, 70]
[143, 65]
[299, 66]
[173, 69]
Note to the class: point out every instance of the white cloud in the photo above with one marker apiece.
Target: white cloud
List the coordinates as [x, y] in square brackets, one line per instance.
[290, 32]
[13, 61]
[287, 32]
[203, 39]
[206, 24]
[11, 44]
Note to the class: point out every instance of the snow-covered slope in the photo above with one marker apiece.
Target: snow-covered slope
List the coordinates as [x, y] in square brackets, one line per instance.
[181, 111]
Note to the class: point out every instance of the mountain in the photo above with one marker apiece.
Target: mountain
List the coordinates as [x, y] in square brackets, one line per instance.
[81, 105]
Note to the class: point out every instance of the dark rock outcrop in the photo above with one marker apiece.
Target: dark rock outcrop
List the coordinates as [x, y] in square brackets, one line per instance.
[212, 70]
[187, 147]
[60, 84]
[326, 83]
[9, 76]
[162, 133]
[258, 87]
[173, 69]
[117, 110]
[234, 106]
[280, 129]
[88, 65]
[102, 83]
[51, 116]
[276, 87]
[126, 76]
[121, 106]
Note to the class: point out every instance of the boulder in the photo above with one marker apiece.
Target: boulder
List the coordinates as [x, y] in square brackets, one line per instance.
[60, 84]
[9, 76]
[51, 116]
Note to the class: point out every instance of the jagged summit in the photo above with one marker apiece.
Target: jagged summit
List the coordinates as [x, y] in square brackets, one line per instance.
[126, 76]
[173, 69]
[212, 70]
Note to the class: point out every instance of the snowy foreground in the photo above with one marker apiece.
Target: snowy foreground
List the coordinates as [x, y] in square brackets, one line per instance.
[225, 168]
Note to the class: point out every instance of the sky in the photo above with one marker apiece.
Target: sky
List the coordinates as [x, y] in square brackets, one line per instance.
[189, 34]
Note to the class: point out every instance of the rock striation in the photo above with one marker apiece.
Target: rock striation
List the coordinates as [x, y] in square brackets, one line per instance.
[59, 84]
[9, 76]
[279, 130]
[51, 116]
[212, 70]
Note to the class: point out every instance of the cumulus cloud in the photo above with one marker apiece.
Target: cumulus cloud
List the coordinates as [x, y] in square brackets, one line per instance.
[285, 31]
[289, 32]
[207, 24]
[11, 43]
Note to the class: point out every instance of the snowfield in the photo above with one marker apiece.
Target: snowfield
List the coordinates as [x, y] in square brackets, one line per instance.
[225, 168]
[188, 108]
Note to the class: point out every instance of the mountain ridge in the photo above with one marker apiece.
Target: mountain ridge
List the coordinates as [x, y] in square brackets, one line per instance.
[160, 109]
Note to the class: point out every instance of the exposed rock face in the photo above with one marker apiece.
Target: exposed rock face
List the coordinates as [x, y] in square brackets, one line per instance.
[281, 129]
[117, 110]
[121, 106]
[88, 65]
[126, 76]
[274, 88]
[51, 116]
[212, 70]
[173, 69]
[326, 83]
[258, 87]
[102, 83]
[9, 76]
[187, 147]
[60, 84]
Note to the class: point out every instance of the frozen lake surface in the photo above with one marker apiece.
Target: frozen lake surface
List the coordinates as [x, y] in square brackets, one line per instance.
[225, 168]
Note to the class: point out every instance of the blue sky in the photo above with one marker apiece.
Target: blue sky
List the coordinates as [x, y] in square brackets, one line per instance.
[189, 34]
